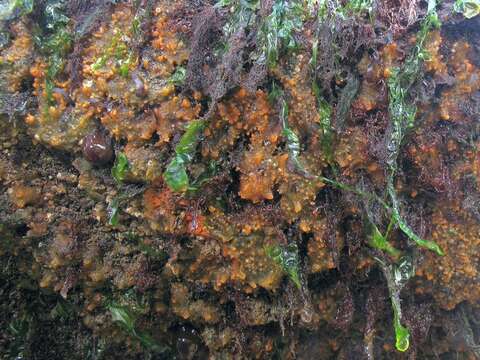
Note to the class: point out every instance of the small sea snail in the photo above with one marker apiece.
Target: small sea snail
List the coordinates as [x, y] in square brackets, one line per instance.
[97, 148]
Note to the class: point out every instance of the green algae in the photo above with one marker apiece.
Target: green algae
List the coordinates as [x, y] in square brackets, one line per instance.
[175, 174]
[287, 258]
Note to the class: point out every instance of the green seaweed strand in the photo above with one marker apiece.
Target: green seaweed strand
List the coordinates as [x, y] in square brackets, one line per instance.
[469, 8]
[396, 218]
[293, 143]
[402, 116]
[54, 46]
[379, 241]
[126, 318]
[287, 258]
[175, 174]
[276, 32]
[397, 276]
[291, 138]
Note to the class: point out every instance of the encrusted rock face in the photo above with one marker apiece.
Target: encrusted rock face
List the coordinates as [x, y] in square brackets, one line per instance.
[452, 279]
[239, 179]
